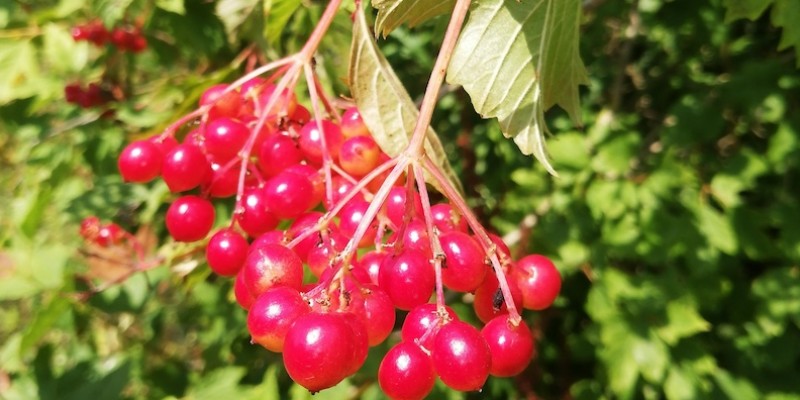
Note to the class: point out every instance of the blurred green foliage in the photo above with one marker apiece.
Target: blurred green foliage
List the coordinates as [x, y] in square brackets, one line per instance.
[674, 219]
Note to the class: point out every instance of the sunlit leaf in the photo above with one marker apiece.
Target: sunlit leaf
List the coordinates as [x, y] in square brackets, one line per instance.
[518, 59]
[385, 106]
[393, 13]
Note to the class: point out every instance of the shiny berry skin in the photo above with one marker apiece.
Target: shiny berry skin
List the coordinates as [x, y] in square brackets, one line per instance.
[277, 153]
[184, 168]
[255, 216]
[423, 322]
[311, 141]
[190, 218]
[396, 205]
[288, 195]
[447, 219]
[379, 315]
[140, 162]
[270, 237]
[241, 292]
[226, 252]
[285, 104]
[415, 237]
[408, 279]
[300, 225]
[539, 281]
[487, 297]
[315, 176]
[461, 356]
[511, 347]
[224, 105]
[359, 155]
[406, 373]
[371, 262]
[272, 265]
[224, 138]
[318, 350]
[352, 124]
[359, 342]
[465, 267]
[109, 234]
[341, 187]
[351, 216]
[272, 314]
[224, 180]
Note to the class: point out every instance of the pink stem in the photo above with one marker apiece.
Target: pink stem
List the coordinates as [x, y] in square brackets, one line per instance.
[433, 236]
[483, 238]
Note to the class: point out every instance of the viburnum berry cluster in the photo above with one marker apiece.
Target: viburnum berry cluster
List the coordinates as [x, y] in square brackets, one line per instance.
[330, 236]
[126, 37]
[92, 95]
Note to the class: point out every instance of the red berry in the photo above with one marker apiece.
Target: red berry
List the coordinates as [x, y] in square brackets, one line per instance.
[241, 292]
[423, 322]
[360, 342]
[461, 356]
[379, 315]
[351, 216]
[359, 155]
[406, 372]
[226, 252]
[396, 206]
[271, 237]
[272, 265]
[318, 350]
[300, 225]
[447, 219]
[140, 162]
[224, 138]
[352, 124]
[90, 227]
[539, 281]
[277, 153]
[224, 180]
[79, 33]
[511, 347]
[288, 195]
[255, 216]
[272, 314]
[285, 104]
[371, 262]
[109, 234]
[184, 168]
[311, 141]
[489, 303]
[225, 105]
[190, 218]
[408, 279]
[465, 267]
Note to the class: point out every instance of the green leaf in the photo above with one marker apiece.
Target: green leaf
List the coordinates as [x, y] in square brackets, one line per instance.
[393, 13]
[680, 384]
[234, 13]
[21, 75]
[717, 229]
[278, 14]
[175, 6]
[385, 106]
[683, 320]
[518, 59]
[750, 9]
[785, 14]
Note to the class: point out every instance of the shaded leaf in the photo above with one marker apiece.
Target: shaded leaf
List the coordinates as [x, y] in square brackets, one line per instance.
[785, 14]
[393, 13]
[518, 59]
[278, 13]
[385, 106]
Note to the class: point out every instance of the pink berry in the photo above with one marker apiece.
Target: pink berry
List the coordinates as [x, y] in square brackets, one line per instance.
[184, 168]
[408, 279]
[465, 261]
[140, 162]
[447, 219]
[222, 105]
[423, 322]
[272, 265]
[318, 350]
[277, 153]
[288, 195]
[255, 216]
[190, 218]
[311, 141]
[489, 303]
[241, 292]
[359, 155]
[226, 252]
[379, 315]
[224, 138]
[351, 216]
[272, 314]
[397, 206]
[511, 347]
[539, 281]
[352, 124]
[406, 373]
[461, 356]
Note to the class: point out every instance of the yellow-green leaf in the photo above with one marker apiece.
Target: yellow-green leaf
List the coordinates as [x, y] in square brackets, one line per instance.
[385, 106]
[393, 13]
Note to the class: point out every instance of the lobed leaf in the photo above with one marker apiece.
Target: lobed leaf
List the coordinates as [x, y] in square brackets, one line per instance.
[385, 106]
[518, 59]
[393, 13]
[785, 14]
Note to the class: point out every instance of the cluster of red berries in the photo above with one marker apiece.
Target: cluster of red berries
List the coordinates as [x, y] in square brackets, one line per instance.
[125, 38]
[306, 298]
[104, 235]
[91, 96]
